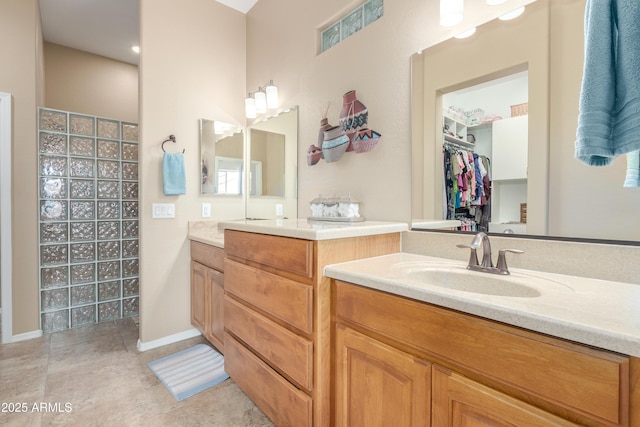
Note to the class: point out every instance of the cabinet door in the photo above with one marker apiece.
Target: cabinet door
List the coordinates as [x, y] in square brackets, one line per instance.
[214, 332]
[198, 296]
[378, 385]
[460, 402]
[509, 148]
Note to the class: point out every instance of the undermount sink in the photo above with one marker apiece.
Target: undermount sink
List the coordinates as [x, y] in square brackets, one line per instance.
[458, 278]
[480, 283]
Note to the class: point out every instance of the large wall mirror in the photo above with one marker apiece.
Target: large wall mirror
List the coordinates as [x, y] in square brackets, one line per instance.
[251, 172]
[509, 95]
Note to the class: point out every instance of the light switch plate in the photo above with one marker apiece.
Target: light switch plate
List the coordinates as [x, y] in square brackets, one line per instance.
[279, 209]
[163, 210]
[206, 210]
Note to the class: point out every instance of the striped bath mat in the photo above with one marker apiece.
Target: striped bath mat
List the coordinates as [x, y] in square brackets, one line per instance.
[190, 371]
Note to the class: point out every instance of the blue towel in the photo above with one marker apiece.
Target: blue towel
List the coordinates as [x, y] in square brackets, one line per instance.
[609, 120]
[633, 170]
[174, 179]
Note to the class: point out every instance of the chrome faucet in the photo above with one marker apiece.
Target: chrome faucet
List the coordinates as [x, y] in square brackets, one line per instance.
[481, 240]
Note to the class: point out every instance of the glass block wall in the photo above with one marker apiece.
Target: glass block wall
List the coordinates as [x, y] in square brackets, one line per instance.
[88, 177]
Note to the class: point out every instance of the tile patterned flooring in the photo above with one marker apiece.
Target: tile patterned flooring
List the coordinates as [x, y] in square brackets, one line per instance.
[95, 376]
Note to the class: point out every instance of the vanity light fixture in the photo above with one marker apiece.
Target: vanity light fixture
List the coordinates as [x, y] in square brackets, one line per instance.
[250, 107]
[465, 34]
[512, 15]
[495, 2]
[265, 98]
[451, 12]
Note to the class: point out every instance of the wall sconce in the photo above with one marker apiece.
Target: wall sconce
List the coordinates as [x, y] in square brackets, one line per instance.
[451, 12]
[266, 97]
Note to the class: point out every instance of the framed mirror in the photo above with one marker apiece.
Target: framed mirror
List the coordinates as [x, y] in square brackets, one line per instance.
[272, 174]
[564, 198]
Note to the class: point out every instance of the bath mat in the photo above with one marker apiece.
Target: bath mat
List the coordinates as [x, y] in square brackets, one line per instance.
[190, 371]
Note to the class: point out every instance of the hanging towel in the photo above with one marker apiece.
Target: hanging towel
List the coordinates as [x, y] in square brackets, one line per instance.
[174, 179]
[633, 170]
[609, 120]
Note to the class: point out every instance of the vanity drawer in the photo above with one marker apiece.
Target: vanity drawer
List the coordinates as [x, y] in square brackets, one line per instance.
[282, 298]
[284, 350]
[579, 378]
[284, 253]
[208, 255]
[284, 404]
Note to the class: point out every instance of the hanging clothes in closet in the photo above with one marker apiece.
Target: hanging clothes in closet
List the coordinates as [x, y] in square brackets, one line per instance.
[467, 187]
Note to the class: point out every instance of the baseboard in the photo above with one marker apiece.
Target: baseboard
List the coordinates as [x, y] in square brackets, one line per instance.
[180, 336]
[25, 336]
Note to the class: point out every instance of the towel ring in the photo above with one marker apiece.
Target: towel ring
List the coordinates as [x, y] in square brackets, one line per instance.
[172, 138]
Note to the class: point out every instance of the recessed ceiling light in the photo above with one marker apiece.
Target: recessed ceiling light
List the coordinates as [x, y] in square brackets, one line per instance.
[136, 49]
[513, 14]
[465, 34]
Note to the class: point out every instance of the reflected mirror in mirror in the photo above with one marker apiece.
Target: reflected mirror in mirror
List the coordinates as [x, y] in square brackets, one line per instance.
[272, 175]
[221, 160]
[266, 175]
[484, 146]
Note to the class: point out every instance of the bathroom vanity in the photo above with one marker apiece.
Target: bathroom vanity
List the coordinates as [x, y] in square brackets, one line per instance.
[277, 309]
[330, 324]
[411, 353]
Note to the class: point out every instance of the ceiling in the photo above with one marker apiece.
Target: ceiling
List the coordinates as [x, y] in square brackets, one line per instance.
[103, 27]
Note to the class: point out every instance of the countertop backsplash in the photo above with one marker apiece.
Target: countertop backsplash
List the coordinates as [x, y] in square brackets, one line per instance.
[613, 262]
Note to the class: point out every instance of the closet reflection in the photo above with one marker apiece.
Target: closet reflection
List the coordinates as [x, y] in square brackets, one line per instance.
[484, 146]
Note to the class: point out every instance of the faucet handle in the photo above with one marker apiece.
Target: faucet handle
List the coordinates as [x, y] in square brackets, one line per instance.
[502, 259]
[473, 256]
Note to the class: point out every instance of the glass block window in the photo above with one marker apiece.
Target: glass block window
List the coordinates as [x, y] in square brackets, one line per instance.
[88, 175]
[351, 23]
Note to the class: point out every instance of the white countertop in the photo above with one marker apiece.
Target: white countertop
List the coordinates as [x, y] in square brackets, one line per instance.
[314, 230]
[206, 232]
[594, 312]
[435, 224]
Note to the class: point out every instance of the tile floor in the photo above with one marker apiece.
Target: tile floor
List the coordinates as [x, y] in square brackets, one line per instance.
[95, 376]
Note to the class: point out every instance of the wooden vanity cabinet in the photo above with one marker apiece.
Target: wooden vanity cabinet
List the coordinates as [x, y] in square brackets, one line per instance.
[278, 319]
[207, 292]
[482, 373]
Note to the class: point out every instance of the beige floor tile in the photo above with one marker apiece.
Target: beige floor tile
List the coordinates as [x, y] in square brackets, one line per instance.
[95, 376]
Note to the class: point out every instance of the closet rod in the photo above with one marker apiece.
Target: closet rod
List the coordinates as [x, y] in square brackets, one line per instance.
[451, 144]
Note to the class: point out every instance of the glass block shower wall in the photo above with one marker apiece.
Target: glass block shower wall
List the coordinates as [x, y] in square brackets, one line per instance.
[88, 174]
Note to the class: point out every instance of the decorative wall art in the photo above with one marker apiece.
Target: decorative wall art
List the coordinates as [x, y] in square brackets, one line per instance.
[352, 134]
